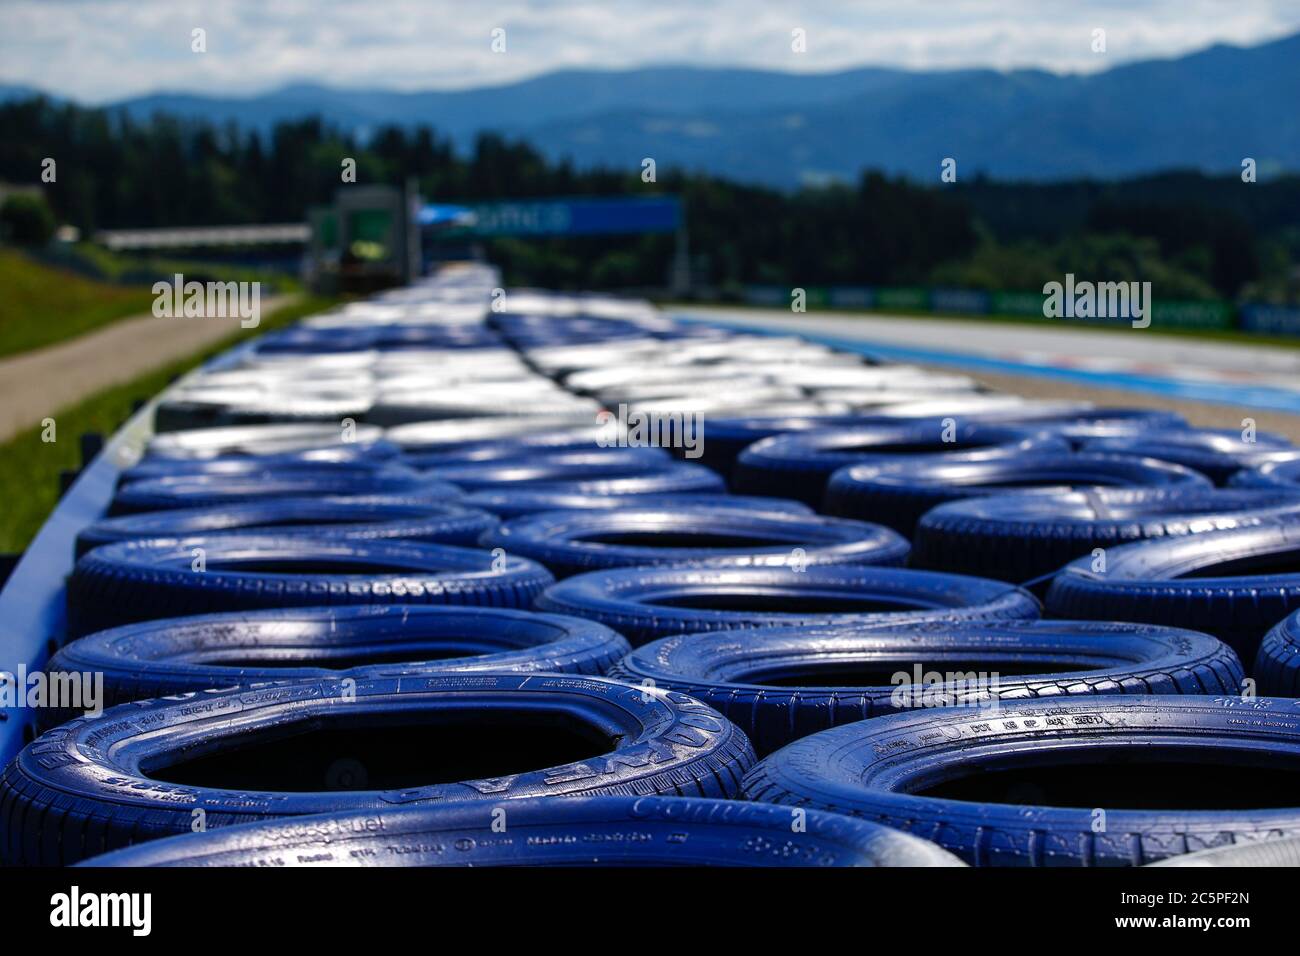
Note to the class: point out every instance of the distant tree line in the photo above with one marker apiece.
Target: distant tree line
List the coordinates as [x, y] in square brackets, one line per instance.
[1196, 236]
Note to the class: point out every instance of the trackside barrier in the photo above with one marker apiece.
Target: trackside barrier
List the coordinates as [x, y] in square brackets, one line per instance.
[1207, 315]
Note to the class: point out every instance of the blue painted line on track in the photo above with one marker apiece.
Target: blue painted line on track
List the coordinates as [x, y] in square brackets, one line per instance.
[1219, 393]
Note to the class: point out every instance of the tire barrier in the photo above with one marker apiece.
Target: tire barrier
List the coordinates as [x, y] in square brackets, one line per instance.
[1217, 454]
[367, 518]
[1081, 781]
[197, 491]
[320, 601]
[780, 684]
[338, 745]
[557, 831]
[1283, 471]
[1264, 853]
[798, 465]
[643, 604]
[508, 503]
[1234, 584]
[900, 493]
[1277, 664]
[167, 577]
[258, 440]
[573, 542]
[178, 655]
[1020, 538]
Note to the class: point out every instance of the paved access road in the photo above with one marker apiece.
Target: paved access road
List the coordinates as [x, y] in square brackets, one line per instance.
[34, 385]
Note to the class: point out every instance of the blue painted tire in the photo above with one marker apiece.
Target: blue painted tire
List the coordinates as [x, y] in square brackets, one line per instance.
[543, 447]
[1021, 538]
[1277, 664]
[198, 491]
[1282, 472]
[899, 493]
[1081, 781]
[608, 464]
[515, 502]
[728, 437]
[159, 577]
[1216, 453]
[643, 604]
[780, 684]
[145, 770]
[1119, 423]
[798, 465]
[559, 831]
[366, 518]
[1219, 582]
[342, 457]
[178, 655]
[573, 542]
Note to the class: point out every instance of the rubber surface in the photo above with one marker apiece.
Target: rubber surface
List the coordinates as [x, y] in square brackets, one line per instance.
[728, 437]
[1277, 664]
[606, 464]
[678, 479]
[1281, 472]
[873, 769]
[460, 432]
[1219, 454]
[161, 577]
[531, 448]
[197, 491]
[257, 440]
[572, 542]
[515, 502]
[1122, 423]
[353, 456]
[779, 684]
[370, 518]
[1265, 853]
[591, 831]
[798, 465]
[174, 655]
[93, 785]
[646, 603]
[899, 493]
[1020, 537]
[1221, 582]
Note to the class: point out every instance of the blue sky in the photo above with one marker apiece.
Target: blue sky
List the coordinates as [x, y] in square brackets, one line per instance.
[99, 50]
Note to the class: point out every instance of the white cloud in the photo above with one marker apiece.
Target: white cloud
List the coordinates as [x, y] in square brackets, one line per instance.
[100, 50]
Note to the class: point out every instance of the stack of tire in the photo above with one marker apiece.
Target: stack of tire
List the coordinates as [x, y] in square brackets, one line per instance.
[442, 564]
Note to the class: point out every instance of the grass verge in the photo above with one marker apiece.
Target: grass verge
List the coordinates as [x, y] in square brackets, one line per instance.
[29, 467]
[42, 305]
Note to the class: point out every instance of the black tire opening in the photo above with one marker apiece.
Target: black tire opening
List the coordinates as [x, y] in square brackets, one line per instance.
[682, 539]
[1150, 778]
[780, 602]
[384, 755]
[912, 448]
[1277, 562]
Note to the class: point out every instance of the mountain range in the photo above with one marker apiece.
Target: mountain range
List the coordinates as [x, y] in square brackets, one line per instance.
[1207, 110]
